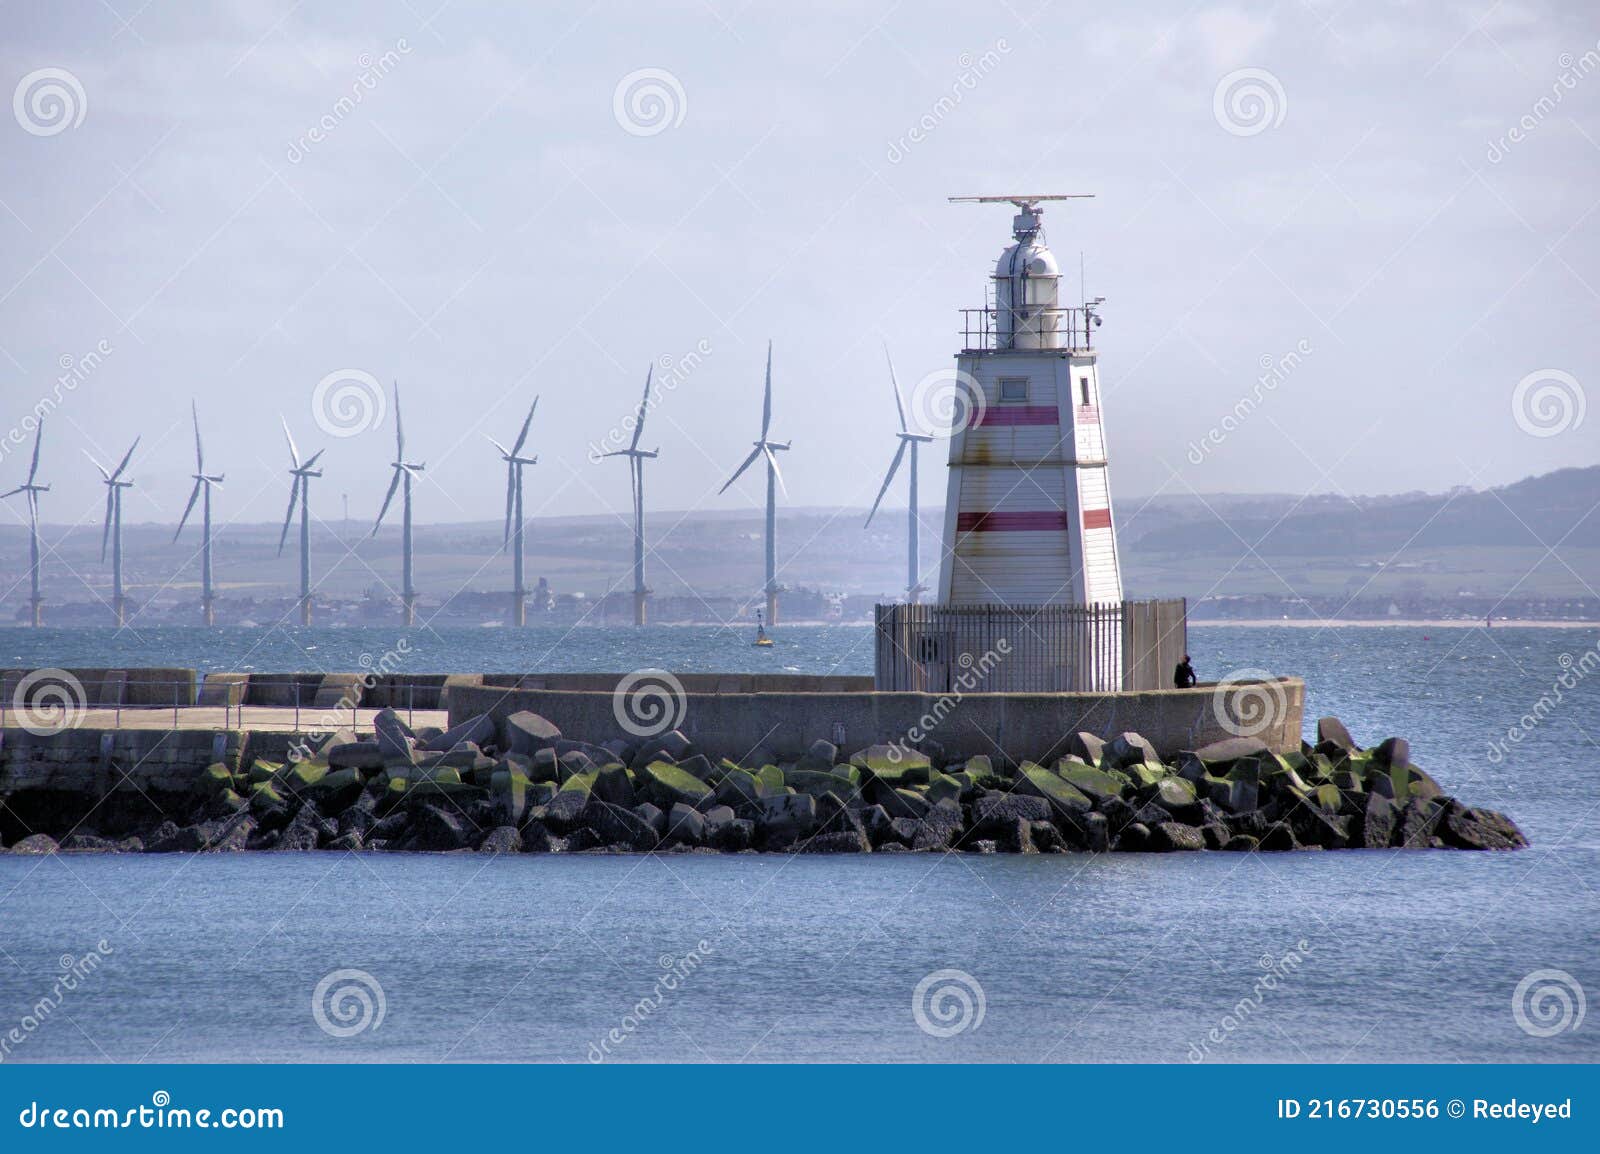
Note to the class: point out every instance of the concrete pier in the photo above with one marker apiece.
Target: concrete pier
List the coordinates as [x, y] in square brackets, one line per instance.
[725, 715]
[652, 760]
[730, 716]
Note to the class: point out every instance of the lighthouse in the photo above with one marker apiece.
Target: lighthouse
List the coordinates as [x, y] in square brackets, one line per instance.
[1030, 584]
[1028, 505]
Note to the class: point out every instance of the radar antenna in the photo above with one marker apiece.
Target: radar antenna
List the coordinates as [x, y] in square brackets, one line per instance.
[1021, 200]
[1027, 223]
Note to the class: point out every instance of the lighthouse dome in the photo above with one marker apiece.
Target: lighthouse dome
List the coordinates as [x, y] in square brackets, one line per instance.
[1027, 258]
[1026, 287]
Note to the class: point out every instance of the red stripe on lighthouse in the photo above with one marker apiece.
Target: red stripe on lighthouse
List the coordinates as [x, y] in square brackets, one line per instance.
[1003, 522]
[1018, 415]
[1097, 518]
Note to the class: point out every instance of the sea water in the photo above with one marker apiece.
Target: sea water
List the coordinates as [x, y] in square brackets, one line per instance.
[1325, 956]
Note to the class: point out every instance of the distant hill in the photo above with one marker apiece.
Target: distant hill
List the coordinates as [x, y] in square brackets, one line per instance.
[1559, 507]
[1251, 554]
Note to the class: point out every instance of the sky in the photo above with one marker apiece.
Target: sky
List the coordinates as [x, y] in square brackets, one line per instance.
[1345, 247]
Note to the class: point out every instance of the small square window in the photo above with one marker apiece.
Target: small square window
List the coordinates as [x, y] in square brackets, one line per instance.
[1013, 390]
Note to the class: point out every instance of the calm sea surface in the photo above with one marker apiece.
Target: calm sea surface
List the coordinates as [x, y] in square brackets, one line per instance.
[1373, 956]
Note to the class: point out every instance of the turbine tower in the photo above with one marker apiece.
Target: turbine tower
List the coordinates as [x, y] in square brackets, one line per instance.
[513, 534]
[636, 459]
[403, 472]
[202, 482]
[914, 586]
[31, 488]
[113, 528]
[300, 493]
[766, 448]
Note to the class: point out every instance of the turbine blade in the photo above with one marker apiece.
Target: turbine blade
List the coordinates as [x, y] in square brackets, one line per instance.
[766, 404]
[13, 492]
[194, 495]
[199, 452]
[105, 476]
[748, 461]
[294, 453]
[498, 445]
[894, 465]
[899, 404]
[294, 495]
[33, 469]
[313, 458]
[526, 425]
[511, 491]
[772, 461]
[399, 429]
[389, 496]
[644, 403]
[126, 457]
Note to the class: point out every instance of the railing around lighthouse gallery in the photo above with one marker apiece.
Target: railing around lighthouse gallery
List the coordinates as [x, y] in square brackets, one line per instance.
[998, 329]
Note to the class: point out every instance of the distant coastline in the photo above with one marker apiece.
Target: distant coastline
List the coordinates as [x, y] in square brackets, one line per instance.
[1383, 623]
[10, 627]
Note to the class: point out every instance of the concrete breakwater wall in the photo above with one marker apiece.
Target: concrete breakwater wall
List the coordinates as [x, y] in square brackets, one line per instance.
[1011, 727]
[727, 714]
[367, 689]
[521, 786]
[153, 687]
[652, 761]
[121, 778]
[128, 760]
[148, 686]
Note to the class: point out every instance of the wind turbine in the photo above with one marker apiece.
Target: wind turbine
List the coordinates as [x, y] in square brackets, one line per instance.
[403, 471]
[32, 490]
[636, 459]
[914, 584]
[513, 534]
[766, 448]
[202, 482]
[113, 527]
[300, 493]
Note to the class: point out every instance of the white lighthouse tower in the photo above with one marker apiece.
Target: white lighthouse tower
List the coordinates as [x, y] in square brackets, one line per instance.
[1030, 586]
[1028, 509]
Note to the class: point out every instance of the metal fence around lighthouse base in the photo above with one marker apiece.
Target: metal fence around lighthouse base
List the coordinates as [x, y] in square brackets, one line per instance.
[1120, 646]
